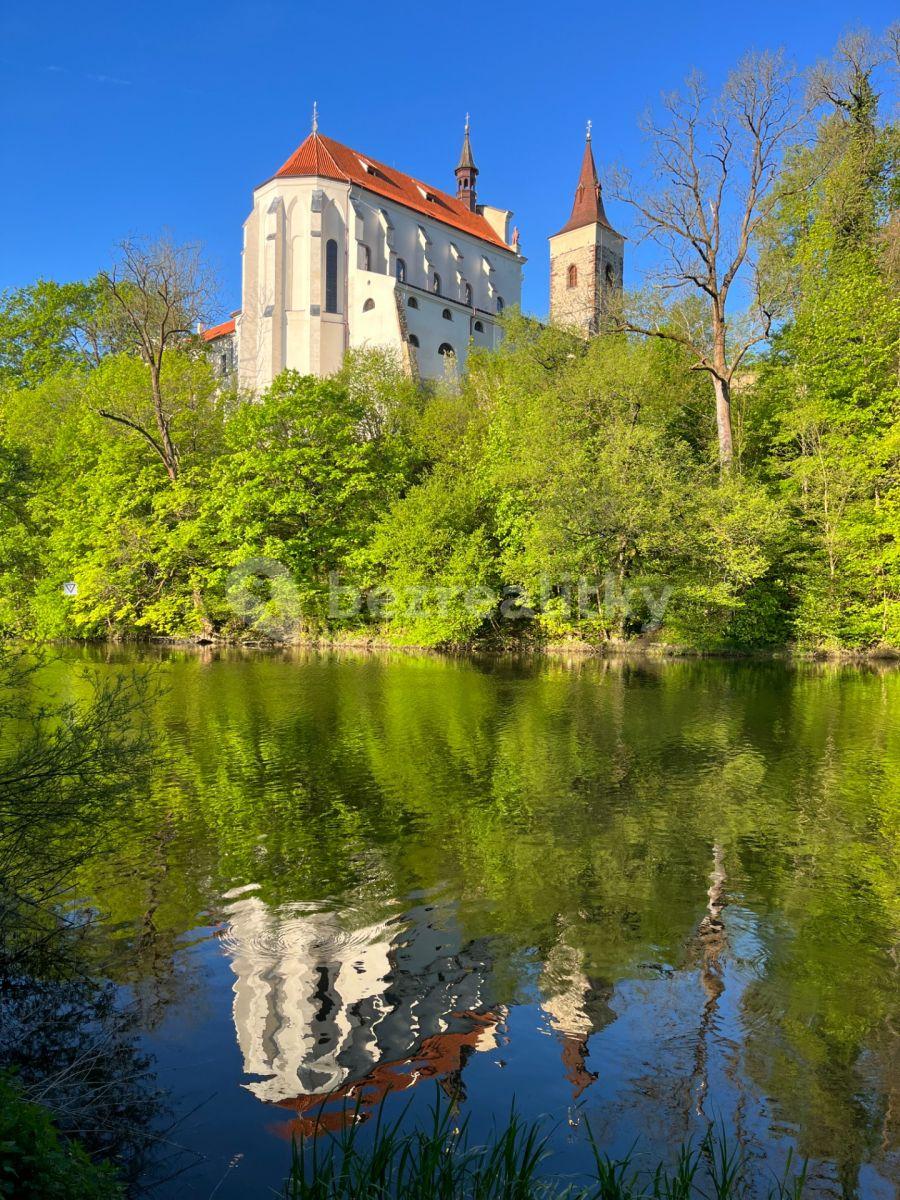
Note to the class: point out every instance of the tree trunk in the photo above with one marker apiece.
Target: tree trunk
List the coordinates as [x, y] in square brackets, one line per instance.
[723, 423]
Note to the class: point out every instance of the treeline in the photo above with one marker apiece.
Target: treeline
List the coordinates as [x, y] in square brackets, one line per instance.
[691, 475]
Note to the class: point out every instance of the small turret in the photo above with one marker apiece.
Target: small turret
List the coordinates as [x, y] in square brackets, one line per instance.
[466, 173]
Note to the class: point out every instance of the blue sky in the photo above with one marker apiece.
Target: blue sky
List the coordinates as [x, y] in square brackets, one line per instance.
[131, 117]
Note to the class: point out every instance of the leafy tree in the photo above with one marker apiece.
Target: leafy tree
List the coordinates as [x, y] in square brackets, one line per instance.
[45, 327]
[832, 380]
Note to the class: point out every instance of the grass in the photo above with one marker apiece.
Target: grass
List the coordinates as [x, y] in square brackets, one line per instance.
[443, 1162]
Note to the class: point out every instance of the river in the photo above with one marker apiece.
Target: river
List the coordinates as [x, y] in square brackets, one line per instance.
[644, 895]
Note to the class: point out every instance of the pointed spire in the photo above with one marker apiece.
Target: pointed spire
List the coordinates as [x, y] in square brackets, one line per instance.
[466, 160]
[315, 117]
[587, 208]
[466, 172]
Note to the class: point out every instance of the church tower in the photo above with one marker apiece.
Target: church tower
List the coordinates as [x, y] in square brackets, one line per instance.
[466, 173]
[586, 256]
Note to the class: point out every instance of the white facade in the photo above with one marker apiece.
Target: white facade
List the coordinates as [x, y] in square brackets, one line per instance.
[300, 312]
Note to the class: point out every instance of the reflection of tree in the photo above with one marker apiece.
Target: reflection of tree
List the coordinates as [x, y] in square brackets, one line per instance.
[711, 939]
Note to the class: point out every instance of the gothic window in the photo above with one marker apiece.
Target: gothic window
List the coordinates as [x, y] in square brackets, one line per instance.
[401, 271]
[479, 328]
[413, 340]
[499, 304]
[365, 257]
[412, 302]
[572, 276]
[436, 284]
[446, 350]
[331, 276]
[447, 314]
[467, 293]
[610, 276]
[369, 305]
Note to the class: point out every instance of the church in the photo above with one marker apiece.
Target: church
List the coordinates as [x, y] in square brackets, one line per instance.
[343, 252]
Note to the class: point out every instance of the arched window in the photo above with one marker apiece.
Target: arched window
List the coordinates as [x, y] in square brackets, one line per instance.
[413, 340]
[447, 314]
[412, 302]
[572, 276]
[331, 276]
[467, 293]
[369, 305]
[436, 284]
[479, 328]
[610, 275]
[401, 271]
[446, 350]
[499, 304]
[365, 257]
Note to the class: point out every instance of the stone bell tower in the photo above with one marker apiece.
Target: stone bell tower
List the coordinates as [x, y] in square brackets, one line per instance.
[586, 256]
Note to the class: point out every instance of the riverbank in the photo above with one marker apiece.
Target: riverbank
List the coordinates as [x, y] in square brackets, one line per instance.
[520, 647]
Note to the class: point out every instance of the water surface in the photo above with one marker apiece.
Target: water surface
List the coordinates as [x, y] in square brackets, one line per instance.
[642, 895]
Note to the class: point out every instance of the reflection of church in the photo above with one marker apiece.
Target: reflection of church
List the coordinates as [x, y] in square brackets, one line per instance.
[326, 1013]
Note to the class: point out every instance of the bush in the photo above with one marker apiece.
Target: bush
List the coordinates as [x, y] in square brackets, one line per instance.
[37, 1164]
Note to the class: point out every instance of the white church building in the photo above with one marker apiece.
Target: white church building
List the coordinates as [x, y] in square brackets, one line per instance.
[344, 252]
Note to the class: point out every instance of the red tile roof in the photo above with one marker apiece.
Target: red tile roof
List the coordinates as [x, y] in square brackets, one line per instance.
[328, 159]
[217, 331]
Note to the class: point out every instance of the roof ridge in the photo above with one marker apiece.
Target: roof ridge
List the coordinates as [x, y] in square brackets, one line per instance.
[321, 155]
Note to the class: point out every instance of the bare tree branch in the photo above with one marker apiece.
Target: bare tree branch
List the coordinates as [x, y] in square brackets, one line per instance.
[715, 164]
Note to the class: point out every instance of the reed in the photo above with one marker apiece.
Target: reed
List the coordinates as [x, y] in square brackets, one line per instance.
[445, 1161]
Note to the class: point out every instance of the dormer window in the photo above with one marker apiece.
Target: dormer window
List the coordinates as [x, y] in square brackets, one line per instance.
[425, 194]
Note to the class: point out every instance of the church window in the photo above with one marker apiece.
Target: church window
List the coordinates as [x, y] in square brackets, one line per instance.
[413, 340]
[401, 271]
[369, 305]
[467, 293]
[447, 314]
[499, 304]
[446, 350]
[331, 276]
[412, 302]
[479, 328]
[572, 273]
[610, 275]
[436, 284]
[365, 257]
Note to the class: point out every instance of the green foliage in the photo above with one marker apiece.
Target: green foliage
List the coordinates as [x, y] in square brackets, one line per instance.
[831, 383]
[563, 489]
[44, 328]
[36, 1164]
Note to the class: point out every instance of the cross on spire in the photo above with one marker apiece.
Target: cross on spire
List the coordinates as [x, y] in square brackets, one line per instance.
[590, 126]
[315, 117]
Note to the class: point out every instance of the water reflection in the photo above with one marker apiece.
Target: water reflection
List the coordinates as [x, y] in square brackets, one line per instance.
[323, 1011]
[665, 893]
[330, 1013]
